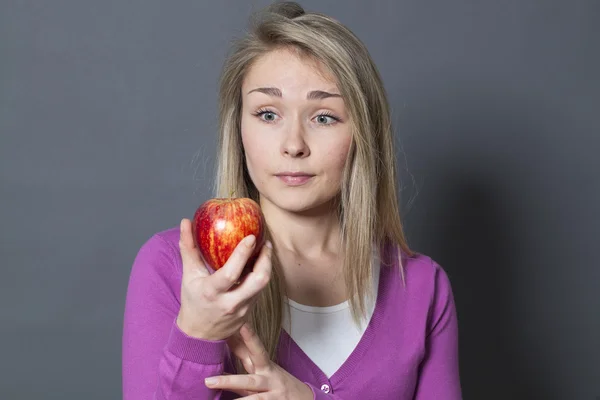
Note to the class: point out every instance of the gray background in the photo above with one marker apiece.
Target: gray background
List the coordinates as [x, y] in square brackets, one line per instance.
[107, 121]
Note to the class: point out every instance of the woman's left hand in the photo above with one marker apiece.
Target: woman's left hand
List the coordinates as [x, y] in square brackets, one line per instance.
[265, 380]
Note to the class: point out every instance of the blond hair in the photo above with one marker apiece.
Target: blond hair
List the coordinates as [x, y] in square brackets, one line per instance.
[368, 203]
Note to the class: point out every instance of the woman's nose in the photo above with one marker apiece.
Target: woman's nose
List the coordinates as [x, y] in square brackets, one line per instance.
[294, 143]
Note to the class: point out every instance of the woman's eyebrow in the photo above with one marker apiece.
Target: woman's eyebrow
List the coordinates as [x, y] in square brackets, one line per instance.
[321, 94]
[269, 91]
[313, 95]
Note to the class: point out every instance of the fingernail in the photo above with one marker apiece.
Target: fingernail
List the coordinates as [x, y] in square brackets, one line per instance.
[269, 244]
[211, 381]
[250, 241]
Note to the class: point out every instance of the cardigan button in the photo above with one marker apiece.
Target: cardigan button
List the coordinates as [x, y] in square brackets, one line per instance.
[325, 388]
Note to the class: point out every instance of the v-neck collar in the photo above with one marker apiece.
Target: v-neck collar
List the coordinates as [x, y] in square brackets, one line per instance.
[361, 348]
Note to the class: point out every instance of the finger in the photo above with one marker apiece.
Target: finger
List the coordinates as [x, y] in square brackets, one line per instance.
[256, 280]
[190, 254]
[242, 393]
[258, 354]
[240, 350]
[254, 383]
[228, 275]
[259, 396]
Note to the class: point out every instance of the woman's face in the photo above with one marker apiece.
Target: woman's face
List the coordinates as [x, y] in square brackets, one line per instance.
[296, 132]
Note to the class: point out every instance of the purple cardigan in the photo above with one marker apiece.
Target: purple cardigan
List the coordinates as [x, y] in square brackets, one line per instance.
[409, 350]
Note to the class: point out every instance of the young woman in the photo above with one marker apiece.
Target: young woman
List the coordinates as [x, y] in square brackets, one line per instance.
[337, 306]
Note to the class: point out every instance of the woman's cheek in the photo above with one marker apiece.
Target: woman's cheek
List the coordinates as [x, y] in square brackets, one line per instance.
[253, 152]
[255, 159]
[339, 155]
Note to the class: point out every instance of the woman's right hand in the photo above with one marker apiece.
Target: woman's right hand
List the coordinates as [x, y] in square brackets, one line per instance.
[211, 307]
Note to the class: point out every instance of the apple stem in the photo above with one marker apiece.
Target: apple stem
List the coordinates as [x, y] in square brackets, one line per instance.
[231, 194]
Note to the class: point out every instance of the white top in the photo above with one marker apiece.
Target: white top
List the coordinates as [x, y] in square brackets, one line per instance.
[328, 335]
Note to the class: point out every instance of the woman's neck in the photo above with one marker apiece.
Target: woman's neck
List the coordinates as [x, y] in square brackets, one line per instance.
[309, 252]
[310, 235]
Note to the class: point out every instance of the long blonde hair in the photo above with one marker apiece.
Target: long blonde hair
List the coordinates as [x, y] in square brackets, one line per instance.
[368, 203]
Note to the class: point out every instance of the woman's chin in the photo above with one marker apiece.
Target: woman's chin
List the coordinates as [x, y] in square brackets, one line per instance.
[300, 206]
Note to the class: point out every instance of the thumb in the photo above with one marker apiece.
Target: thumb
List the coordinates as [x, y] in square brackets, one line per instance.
[191, 258]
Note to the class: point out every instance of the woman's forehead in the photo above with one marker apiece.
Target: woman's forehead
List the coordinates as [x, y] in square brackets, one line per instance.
[286, 68]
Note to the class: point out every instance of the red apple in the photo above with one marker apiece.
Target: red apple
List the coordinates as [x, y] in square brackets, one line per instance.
[220, 224]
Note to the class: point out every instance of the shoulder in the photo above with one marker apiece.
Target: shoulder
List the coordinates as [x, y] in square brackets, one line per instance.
[159, 256]
[420, 280]
[165, 241]
[423, 272]
[428, 283]
[168, 237]
[423, 298]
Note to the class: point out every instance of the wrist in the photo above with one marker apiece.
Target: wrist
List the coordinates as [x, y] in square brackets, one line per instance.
[193, 349]
[191, 330]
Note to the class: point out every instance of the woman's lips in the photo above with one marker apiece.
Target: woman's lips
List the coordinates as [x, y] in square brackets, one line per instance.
[295, 179]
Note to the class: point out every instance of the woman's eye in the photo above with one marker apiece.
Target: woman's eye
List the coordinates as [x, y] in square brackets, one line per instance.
[268, 116]
[325, 119]
[322, 119]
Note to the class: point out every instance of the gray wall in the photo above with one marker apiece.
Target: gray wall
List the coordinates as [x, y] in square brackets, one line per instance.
[107, 129]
